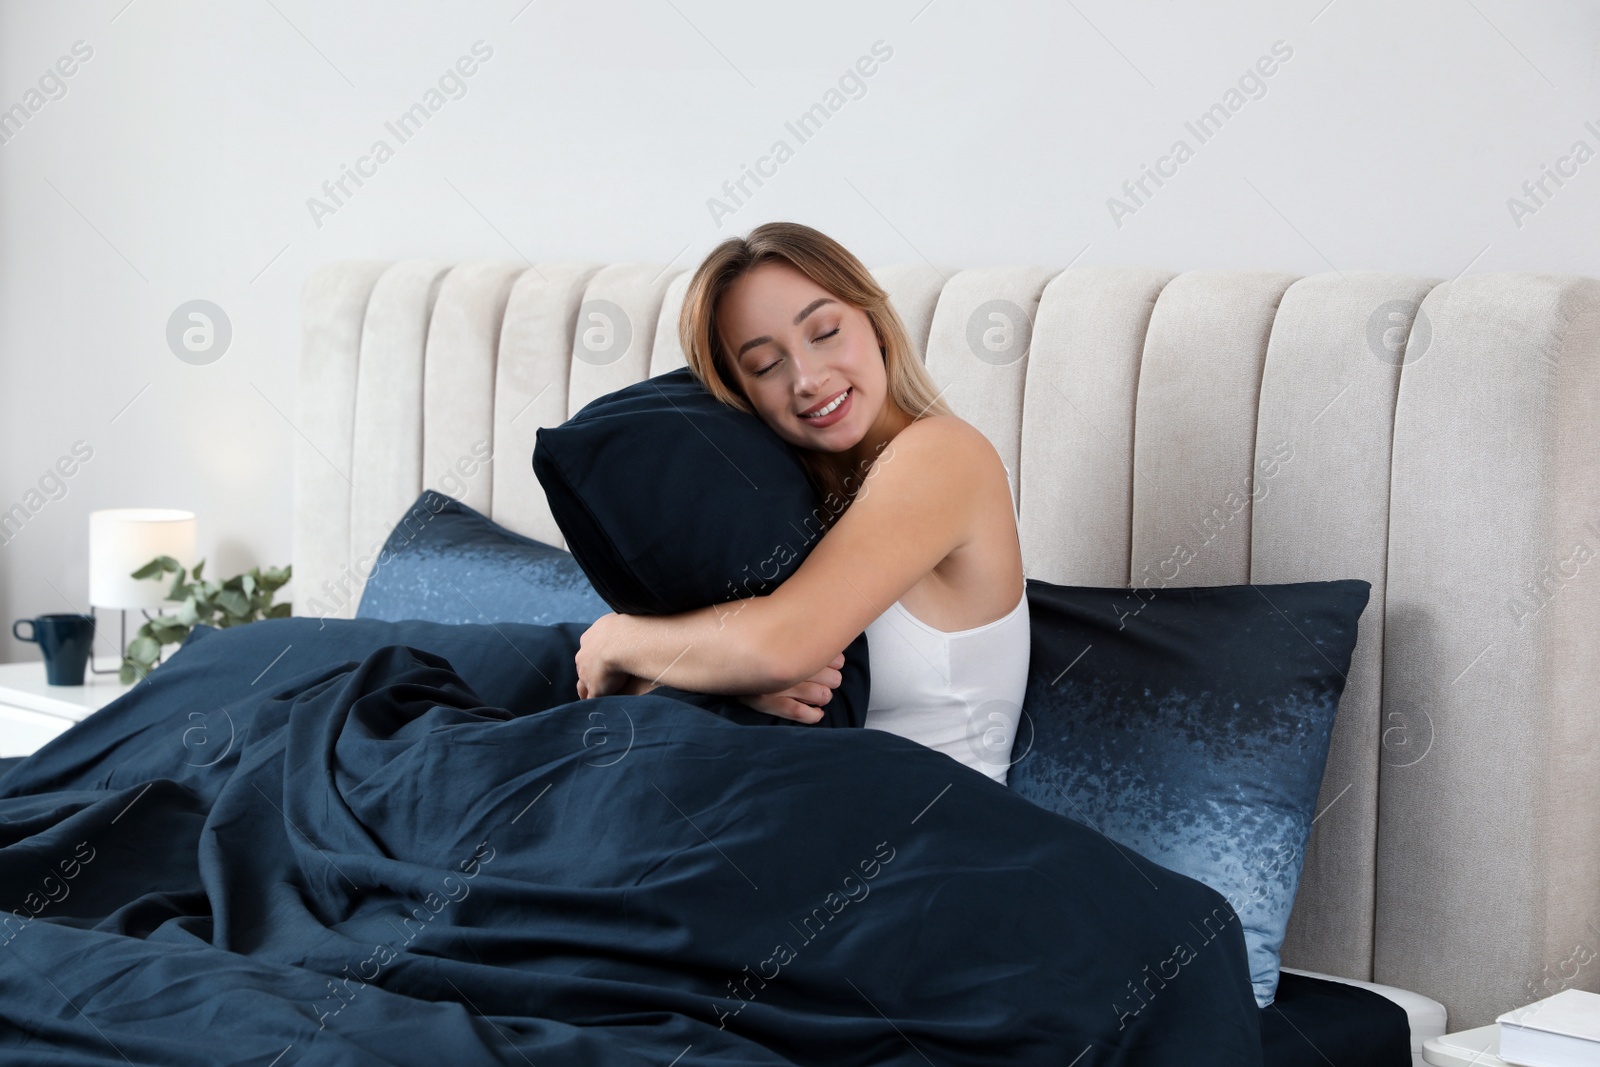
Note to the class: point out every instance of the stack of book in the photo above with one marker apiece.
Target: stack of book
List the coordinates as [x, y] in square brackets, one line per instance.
[1558, 1031]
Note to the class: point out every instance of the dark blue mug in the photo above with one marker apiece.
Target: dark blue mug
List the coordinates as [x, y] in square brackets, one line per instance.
[66, 641]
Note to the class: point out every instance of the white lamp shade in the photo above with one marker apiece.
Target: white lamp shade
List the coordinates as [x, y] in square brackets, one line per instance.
[121, 540]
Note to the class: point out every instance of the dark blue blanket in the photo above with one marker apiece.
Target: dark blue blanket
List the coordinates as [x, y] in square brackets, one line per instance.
[378, 869]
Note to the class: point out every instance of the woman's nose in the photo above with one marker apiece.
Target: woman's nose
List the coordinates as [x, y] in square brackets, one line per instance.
[811, 374]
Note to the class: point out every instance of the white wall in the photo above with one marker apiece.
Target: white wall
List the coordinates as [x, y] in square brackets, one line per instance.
[179, 162]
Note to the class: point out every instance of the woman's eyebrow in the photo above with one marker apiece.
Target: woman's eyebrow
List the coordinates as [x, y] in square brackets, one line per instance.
[798, 319]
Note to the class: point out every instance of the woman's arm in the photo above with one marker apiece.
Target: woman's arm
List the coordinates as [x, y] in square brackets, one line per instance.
[696, 650]
[913, 510]
[802, 701]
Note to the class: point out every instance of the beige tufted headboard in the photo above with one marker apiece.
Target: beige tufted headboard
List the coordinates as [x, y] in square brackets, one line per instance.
[1439, 439]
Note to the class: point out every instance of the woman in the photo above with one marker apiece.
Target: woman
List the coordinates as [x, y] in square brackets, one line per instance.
[922, 552]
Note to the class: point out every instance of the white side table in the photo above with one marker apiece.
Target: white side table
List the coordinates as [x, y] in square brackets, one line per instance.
[33, 712]
[1470, 1048]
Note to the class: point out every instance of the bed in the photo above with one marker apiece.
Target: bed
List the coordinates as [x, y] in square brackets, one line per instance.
[1133, 401]
[1451, 432]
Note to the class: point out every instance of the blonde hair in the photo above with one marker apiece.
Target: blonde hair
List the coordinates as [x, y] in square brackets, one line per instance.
[832, 267]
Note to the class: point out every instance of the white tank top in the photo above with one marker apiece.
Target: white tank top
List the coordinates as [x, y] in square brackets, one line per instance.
[957, 692]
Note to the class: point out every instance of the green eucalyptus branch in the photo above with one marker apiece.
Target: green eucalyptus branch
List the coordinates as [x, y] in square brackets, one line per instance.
[243, 598]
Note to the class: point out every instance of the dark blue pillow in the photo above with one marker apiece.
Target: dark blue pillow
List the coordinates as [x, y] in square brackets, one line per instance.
[671, 501]
[446, 562]
[1192, 726]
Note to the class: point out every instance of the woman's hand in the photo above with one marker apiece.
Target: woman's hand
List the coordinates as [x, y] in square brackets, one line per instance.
[803, 701]
[598, 673]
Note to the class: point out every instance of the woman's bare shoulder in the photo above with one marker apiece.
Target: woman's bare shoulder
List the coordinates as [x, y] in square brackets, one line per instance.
[946, 441]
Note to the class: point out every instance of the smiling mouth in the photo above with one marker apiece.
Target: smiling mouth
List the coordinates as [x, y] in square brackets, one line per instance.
[827, 408]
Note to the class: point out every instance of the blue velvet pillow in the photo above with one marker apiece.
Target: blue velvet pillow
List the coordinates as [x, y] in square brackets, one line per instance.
[671, 501]
[446, 562]
[1192, 726]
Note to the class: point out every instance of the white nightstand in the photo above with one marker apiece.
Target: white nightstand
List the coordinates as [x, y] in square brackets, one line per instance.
[33, 712]
[1470, 1048]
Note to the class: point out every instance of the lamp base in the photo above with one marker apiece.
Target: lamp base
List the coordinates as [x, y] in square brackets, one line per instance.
[122, 643]
[122, 647]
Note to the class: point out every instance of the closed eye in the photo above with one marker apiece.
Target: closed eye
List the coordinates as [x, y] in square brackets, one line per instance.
[774, 363]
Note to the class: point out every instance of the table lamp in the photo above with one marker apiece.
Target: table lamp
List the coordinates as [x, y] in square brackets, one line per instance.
[121, 540]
